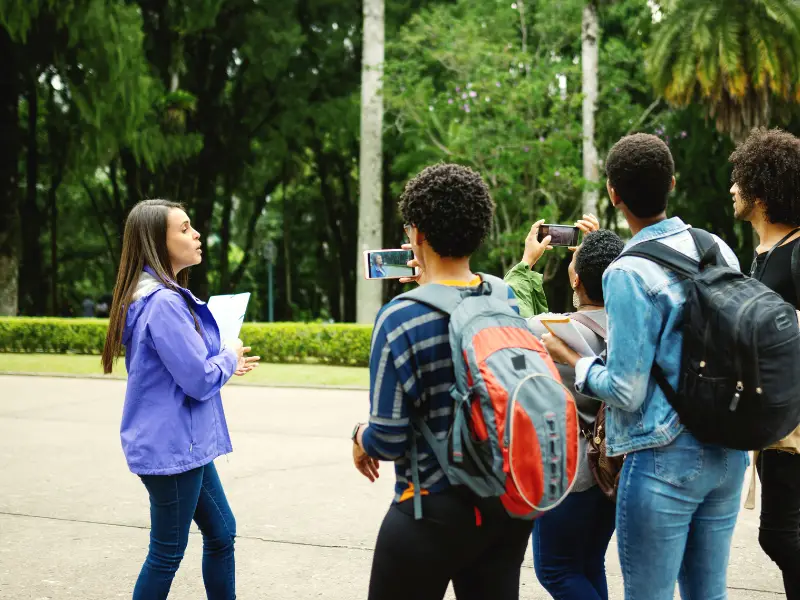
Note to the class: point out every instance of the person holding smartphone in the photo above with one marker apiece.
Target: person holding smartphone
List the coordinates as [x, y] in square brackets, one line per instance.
[528, 285]
[173, 423]
[461, 538]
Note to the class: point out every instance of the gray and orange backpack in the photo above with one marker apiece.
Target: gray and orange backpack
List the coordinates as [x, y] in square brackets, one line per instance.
[515, 430]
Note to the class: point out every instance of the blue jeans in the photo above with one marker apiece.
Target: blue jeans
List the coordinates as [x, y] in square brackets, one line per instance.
[676, 510]
[174, 501]
[569, 546]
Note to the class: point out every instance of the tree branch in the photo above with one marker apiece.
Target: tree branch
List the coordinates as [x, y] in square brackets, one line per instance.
[98, 214]
[258, 208]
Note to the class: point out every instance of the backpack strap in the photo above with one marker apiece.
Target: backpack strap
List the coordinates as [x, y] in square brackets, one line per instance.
[446, 298]
[796, 270]
[769, 254]
[676, 261]
[667, 257]
[590, 324]
[494, 286]
[443, 298]
[707, 248]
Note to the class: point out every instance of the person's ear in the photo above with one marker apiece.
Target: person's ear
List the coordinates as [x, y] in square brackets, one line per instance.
[577, 283]
[612, 194]
[672, 187]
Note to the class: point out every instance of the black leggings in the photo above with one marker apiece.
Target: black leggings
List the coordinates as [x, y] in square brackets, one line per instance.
[480, 551]
[779, 533]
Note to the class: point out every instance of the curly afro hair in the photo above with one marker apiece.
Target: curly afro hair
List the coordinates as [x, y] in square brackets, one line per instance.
[598, 250]
[640, 168]
[451, 205]
[766, 166]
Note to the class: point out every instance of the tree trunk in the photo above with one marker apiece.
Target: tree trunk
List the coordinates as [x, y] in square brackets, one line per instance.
[225, 242]
[53, 196]
[32, 300]
[589, 56]
[368, 293]
[9, 191]
[288, 220]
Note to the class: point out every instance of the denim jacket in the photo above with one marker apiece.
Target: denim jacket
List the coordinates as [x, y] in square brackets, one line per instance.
[644, 303]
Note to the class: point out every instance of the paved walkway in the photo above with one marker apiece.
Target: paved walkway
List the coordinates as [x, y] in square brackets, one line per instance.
[73, 520]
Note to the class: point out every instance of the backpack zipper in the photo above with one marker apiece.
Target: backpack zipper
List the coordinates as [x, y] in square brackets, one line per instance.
[741, 312]
[507, 441]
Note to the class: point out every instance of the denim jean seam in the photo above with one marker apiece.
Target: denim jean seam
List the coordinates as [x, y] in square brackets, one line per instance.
[232, 574]
[177, 520]
[221, 514]
[725, 470]
[623, 518]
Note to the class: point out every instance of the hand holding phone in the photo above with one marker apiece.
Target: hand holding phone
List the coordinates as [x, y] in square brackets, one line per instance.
[419, 271]
[388, 264]
[560, 235]
[535, 245]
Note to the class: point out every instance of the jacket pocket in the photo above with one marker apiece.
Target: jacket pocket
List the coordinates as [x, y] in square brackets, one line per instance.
[191, 425]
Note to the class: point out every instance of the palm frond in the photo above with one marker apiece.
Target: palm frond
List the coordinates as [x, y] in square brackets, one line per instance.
[738, 57]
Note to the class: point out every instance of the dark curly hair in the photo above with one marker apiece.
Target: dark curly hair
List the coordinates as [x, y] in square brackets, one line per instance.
[451, 205]
[640, 168]
[598, 250]
[767, 166]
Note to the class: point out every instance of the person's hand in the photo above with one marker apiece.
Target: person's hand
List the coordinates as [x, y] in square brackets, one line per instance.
[587, 225]
[414, 263]
[559, 351]
[250, 363]
[238, 347]
[798, 316]
[244, 364]
[534, 249]
[366, 465]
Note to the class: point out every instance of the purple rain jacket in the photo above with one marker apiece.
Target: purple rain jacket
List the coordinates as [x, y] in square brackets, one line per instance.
[173, 419]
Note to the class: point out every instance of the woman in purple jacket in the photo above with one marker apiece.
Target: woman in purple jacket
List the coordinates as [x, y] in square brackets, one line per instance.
[173, 424]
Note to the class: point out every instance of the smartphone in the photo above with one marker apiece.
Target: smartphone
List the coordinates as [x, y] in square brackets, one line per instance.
[388, 264]
[561, 235]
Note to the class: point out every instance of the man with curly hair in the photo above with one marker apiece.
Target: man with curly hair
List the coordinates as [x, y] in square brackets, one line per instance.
[678, 498]
[461, 538]
[766, 193]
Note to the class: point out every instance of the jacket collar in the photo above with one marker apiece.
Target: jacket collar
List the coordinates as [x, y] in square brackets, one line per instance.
[658, 230]
[185, 292]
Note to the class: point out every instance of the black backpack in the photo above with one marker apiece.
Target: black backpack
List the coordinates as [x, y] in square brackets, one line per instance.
[740, 379]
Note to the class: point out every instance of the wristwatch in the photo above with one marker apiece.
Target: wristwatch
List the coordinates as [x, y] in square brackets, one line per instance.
[354, 435]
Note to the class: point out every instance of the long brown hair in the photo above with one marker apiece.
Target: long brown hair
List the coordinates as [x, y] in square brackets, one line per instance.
[143, 243]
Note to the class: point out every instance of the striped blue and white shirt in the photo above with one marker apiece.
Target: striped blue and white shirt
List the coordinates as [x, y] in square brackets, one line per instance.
[411, 364]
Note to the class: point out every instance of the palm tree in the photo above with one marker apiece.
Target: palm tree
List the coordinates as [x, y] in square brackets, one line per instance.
[741, 58]
[370, 205]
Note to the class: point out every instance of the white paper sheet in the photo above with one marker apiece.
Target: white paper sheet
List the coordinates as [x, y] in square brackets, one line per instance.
[229, 311]
[565, 329]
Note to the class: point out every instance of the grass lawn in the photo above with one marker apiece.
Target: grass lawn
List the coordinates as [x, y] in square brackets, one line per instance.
[265, 374]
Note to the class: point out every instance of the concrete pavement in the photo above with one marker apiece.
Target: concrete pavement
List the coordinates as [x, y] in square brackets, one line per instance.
[74, 521]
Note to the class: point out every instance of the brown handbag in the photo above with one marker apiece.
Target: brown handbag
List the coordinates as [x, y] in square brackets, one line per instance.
[605, 469]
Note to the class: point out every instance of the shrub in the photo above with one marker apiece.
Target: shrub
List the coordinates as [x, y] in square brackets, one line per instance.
[340, 344]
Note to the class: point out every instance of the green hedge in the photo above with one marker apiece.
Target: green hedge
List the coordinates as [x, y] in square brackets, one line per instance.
[340, 344]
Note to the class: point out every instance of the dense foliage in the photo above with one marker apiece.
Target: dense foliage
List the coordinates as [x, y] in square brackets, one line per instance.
[248, 112]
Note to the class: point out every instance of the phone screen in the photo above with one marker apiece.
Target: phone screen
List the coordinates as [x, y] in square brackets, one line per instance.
[389, 264]
[560, 235]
